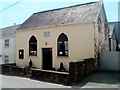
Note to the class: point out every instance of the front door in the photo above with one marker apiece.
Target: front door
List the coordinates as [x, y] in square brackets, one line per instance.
[47, 58]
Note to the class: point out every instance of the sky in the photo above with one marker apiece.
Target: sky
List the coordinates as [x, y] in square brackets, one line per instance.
[21, 11]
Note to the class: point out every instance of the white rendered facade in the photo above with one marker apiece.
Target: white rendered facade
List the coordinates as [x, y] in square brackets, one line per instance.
[1, 47]
[8, 44]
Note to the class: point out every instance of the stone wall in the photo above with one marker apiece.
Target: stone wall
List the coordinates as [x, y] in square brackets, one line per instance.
[50, 76]
[101, 32]
[77, 71]
[80, 69]
[12, 70]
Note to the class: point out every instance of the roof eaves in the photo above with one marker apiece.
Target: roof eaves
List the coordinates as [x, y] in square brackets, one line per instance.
[10, 26]
[99, 10]
[53, 26]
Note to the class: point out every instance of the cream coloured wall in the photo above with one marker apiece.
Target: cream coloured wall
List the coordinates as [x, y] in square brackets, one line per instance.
[81, 44]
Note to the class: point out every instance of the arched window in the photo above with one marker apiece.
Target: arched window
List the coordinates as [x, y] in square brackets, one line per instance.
[62, 45]
[33, 46]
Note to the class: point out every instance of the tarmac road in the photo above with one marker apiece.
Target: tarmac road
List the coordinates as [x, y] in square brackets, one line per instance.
[96, 80]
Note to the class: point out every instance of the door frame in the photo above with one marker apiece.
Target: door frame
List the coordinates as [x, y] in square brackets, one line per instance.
[51, 57]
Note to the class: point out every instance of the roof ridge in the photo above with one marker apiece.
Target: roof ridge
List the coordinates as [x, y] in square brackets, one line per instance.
[67, 7]
[114, 22]
[74, 16]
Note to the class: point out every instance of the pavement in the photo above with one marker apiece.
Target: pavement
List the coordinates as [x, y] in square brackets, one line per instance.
[95, 80]
[100, 80]
[21, 82]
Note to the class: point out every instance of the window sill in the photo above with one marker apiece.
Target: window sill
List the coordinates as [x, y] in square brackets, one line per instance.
[21, 58]
[62, 56]
[32, 55]
[6, 46]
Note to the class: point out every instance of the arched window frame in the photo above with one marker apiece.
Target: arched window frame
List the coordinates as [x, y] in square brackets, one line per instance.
[33, 46]
[62, 45]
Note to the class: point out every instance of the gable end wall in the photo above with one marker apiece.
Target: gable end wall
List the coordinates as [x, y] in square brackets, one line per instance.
[101, 41]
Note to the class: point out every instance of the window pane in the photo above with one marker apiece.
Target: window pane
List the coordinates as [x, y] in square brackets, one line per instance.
[6, 59]
[62, 45]
[60, 42]
[60, 52]
[66, 45]
[21, 54]
[33, 46]
[6, 42]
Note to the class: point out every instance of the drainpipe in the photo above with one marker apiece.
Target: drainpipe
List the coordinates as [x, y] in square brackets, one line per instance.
[109, 43]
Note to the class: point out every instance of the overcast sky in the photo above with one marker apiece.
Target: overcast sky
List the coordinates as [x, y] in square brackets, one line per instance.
[19, 12]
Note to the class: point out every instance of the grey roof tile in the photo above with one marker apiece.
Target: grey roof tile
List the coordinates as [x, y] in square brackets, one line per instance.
[68, 15]
[8, 31]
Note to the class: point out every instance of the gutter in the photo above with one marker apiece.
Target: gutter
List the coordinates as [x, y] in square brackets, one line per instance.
[53, 26]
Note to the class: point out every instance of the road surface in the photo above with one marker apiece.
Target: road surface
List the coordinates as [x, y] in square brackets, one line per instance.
[96, 80]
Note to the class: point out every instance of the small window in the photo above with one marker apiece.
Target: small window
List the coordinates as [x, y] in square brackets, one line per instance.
[21, 54]
[33, 46]
[6, 59]
[62, 45]
[6, 42]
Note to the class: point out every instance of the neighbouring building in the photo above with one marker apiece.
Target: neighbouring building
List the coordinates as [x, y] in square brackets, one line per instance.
[113, 42]
[8, 44]
[117, 33]
[0, 46]
[109, 60]
[64, 35]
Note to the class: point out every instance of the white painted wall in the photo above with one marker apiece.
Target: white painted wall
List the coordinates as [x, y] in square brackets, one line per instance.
[9, 33]
[10, 51]
[0, 46]
[110, 61]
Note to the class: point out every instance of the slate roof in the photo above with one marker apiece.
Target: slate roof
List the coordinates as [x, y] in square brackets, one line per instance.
[69, 15]
[9, 31]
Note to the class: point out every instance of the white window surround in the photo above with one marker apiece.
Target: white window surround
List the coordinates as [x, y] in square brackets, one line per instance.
[6, 42]
[6, 58]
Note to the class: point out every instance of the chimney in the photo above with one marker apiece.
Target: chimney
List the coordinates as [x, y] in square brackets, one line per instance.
[14, 24]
